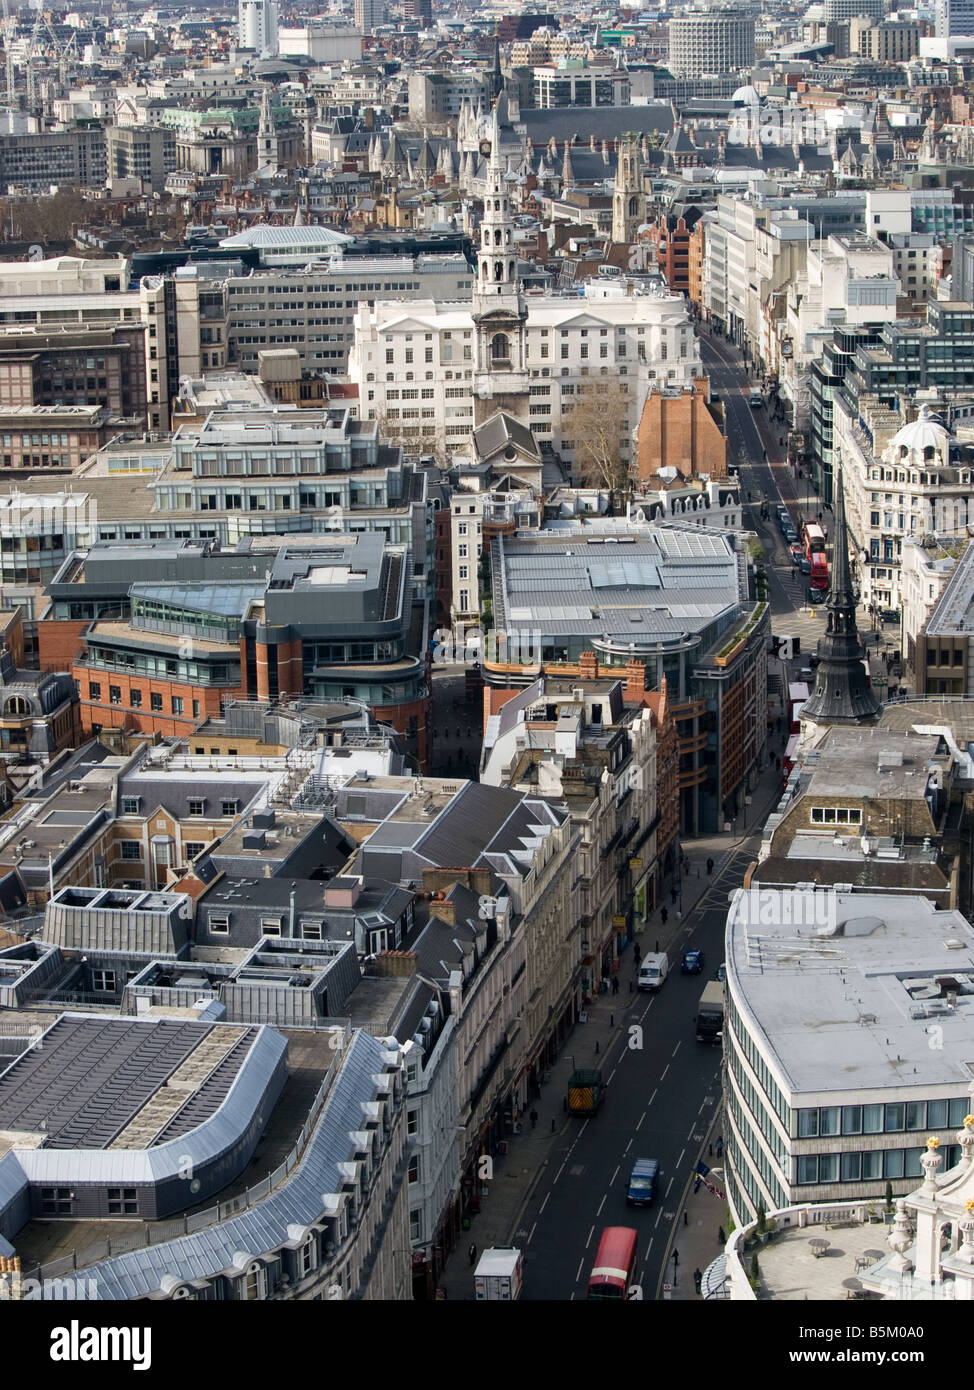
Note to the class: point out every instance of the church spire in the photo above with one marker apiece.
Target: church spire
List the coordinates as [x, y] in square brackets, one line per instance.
[842, 694]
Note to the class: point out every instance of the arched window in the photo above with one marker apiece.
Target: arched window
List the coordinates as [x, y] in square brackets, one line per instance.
[483, 270]
[497, 237]
[510, 270]
[633, 207]
[498, 270]
[500, 349]
[17, 704]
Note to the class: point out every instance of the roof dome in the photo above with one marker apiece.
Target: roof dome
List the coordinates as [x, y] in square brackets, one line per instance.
[924, 437]
[748, 95]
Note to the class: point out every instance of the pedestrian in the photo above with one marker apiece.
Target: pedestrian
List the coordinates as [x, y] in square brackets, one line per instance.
[637, 954]
[663, 915]
[676, 1258]
[720, 1146]
[673, 895]
[710, 866]
[534, 1119]
[472, 1252]
[615, 984]
[686, 1219]
[720, 1235]
[697, 1279]
[696, 1186]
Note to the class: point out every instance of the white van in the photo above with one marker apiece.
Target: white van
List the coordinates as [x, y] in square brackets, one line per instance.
[652, 971]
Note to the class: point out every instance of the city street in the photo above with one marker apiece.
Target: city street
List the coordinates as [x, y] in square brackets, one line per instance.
[662, 1100]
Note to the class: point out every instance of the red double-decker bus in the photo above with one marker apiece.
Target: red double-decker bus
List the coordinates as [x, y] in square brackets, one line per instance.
[813, 544]
[614, 1270]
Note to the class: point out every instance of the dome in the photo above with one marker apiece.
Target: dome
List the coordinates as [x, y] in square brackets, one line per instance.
[747, 96]
[923, 438]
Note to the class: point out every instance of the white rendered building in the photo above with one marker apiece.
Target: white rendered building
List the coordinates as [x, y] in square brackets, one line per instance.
[430, 370]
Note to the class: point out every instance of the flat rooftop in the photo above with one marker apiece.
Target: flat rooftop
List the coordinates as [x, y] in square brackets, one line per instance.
[873, 763]
[845, 985]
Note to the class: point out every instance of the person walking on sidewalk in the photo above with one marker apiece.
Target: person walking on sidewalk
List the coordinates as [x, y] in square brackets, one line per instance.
[710, 866]
[663, 914]
[637, 954]
[472, 1253]
[697, 1279]
[534, 1119]
[615, 984]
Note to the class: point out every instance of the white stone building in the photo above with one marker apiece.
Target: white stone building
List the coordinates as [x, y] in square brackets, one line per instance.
[899, 483]
[431, 371]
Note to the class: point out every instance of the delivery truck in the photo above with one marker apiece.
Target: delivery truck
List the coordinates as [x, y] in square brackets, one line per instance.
[710, 1014]
[497, 1278]
[585, 1092]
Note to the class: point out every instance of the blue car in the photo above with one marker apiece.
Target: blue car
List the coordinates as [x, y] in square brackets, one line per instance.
[692, 962]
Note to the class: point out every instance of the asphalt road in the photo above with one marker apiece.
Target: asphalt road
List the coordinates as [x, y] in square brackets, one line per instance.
[787, 586]
[663, 1093]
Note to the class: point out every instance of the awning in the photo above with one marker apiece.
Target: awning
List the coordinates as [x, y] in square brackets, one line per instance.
[715, 1282]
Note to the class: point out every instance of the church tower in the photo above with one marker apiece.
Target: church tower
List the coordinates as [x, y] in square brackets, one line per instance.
[628, 202]
[842, 694]
[501, 379]
[267, 151]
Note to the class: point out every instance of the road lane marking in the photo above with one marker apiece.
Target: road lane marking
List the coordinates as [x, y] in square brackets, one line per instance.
[590, 1235]
[664, 1071]
[648, 1249]
[544, 1203]
[628, 1147]
[579, 1273]
[652, 1097]
[613, 1072]
[680, 1159]
[616, 1173]
[659, 1218]
[640, 1120]
[533, 1229]
[560, 1171]
[677, 1048]
[668, 1186]
[601, 1205]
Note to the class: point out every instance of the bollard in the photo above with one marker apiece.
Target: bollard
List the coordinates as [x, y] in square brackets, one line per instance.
[552, 1126]
[596, 1046]
[612, 1020]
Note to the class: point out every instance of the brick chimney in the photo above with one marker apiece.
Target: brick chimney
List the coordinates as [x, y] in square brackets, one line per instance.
[635, 680]
[588, 666]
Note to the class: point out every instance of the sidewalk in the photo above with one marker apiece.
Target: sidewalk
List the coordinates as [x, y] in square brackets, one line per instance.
[517, 1172]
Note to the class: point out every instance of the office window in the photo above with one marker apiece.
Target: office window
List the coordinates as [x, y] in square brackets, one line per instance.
[229, 808]
[155, 701]
[115, 694]
[135, 699]
[197, 806]
[131, 849]
[219, 924]
[177, 704]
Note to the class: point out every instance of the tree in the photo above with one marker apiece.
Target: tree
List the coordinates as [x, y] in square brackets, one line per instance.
[594, 422]
[52, 218]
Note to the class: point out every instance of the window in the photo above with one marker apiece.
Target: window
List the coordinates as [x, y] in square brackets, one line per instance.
[270, 926]
[155, 701]
[416, 1224]
[413, 1174]
[228, 808]
[412, 1122]
[135, 699]
[311, 931]
[192, 848]
[177, 704]
[131, 849]
[103, 981]
[57, 1201]
[197, 806]
[115, 694]
[219, 924]
[130, 805]
[122, 1201]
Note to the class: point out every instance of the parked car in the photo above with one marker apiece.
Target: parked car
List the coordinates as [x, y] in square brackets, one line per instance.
[796, 552]
[791, 535]
[721, 972]
[692, 962]
[804, 565]
[889, 615]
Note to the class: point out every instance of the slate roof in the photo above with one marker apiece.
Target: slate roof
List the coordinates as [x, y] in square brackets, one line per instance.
[605, 123]
[499, 431]
[300, 1201]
